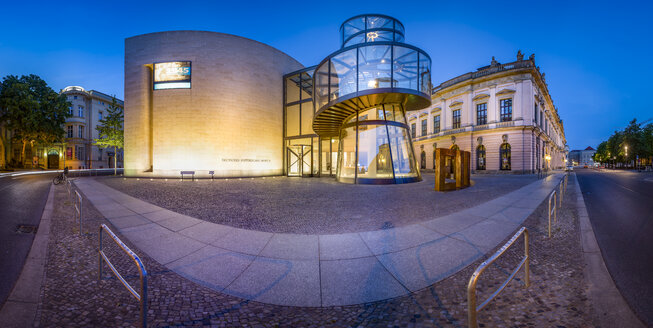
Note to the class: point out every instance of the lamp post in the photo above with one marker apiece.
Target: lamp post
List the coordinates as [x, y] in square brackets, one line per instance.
[626, 151]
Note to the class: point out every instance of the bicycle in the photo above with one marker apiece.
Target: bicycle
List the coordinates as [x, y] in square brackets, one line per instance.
[63, 177]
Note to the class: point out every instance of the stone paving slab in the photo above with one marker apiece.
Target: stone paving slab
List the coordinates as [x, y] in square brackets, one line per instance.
[243, 241]
[212, 266]
[342, 246]
[316, 270]
[396, 239]
[453, 223]
[279, 281]
[424, 265]
[356, 281]
[292, 247]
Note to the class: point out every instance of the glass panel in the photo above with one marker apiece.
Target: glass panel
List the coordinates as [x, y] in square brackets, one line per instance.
[334, 154]
[405, 68]
[424, 74]
[316, 155]
[373, 153]
[307, 85]
[399, 37]
[343, 74]
[375, 36]
[326, 156]
[375, 113]
[307, 118]
[402, 155]
[292, 89]
[379, 22]
[306, 160]
[322, 85]
[299, 142]
[374, 67]
[355, 40]
[292, 120]
[347, 166]
[394, 113]
[399, 27]
[354, 25]
[294, 161]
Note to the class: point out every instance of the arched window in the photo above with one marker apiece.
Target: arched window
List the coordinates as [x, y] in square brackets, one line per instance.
[480, 157]
[422, 162]
[504, 156]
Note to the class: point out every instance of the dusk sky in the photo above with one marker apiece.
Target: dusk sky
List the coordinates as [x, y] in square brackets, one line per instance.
[597, 55]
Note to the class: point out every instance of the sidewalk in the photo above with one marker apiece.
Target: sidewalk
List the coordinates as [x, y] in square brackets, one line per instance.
[316, 270]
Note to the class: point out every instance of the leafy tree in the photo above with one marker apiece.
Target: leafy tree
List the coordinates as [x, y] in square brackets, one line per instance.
[111, 132]
[633, 139]
[32, 110]
[601, 155]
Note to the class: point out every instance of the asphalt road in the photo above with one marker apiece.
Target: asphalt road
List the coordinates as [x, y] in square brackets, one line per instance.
[620, 207]
[22, 200]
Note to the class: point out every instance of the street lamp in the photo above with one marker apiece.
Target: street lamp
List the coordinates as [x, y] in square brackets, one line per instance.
[626, 148]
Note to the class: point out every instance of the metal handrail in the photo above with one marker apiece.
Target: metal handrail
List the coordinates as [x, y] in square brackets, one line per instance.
[77, 201]
[553, 210]
[472, 309]
[142, 297]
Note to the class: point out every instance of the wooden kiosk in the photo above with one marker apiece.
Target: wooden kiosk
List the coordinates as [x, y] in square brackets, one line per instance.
[450, 163]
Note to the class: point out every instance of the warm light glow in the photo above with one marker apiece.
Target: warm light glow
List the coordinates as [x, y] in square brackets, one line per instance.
[547, 157]
[371, 36]
[373, 83]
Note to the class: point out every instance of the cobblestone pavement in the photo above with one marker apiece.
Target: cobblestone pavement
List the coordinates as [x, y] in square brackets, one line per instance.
[73, 297]
[313, 206]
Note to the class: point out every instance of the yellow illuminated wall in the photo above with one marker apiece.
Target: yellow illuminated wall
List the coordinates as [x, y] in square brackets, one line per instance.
[229, 121]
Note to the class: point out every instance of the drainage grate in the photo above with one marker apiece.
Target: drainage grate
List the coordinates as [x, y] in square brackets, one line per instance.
[26, 228]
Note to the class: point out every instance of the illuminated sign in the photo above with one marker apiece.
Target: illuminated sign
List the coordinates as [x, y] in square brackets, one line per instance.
[172, 75]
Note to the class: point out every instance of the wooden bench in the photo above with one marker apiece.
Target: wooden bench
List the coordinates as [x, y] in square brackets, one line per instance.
[211, 173]
[192, 174]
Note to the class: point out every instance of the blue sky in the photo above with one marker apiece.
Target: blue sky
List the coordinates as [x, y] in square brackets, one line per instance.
[597, 55]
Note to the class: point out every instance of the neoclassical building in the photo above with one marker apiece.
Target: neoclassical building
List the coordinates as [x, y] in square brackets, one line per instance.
[502, 113]
[86, 109]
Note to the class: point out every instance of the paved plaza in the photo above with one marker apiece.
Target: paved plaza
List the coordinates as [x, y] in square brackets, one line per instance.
[317, 269]
[315, 205]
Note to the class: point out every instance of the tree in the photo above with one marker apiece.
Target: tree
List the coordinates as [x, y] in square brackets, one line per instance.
[32, 110]
[111, 132]
[601, 155]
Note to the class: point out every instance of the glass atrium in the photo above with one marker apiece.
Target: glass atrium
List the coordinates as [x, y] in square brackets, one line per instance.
[356, 126]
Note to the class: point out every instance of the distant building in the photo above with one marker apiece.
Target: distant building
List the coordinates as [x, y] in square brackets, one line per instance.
[87, 109]
[582, 157]
[502, 113]
[77, 152]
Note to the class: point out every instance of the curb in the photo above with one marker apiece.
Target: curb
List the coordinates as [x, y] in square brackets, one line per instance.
[610, 308]
[21, 306]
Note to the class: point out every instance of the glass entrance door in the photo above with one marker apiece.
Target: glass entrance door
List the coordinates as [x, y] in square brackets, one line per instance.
[298, 160]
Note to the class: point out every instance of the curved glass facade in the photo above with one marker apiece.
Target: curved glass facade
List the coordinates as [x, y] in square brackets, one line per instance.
[365, 67]
[362, 93]
[370, 28]
[375, 148]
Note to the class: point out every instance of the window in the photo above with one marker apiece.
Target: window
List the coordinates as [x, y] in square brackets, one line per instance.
[79, 153]
[99, 151]
[481, 114]
[74, 97]
[100, 115]
[412, 130]
[80, 132]
[80, 111]
[456, 118]
[480, 157]
[506, 110]
[504, 155]
[69, 152]
[541, 118]
[70, 131]
[423, 127]
[536, 113]
[70, 110]
[436, 124]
